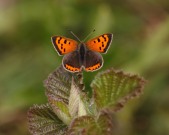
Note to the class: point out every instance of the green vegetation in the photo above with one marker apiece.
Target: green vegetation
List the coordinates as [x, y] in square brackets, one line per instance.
[71, 111]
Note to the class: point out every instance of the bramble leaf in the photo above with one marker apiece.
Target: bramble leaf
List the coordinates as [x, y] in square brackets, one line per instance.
[58, 84]
[80, 125]
[113, 88]
[70, 105]
[43, 121]
[58, 87]
[76, 105]
[60, 108]
[88, 125]
[62, 90]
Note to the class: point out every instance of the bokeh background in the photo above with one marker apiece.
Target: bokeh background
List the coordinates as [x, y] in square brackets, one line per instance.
[140, 46]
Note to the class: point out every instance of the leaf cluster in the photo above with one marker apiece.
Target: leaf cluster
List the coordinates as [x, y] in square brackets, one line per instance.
[71, 111]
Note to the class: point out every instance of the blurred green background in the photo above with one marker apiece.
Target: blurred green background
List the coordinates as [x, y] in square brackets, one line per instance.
[140, 45]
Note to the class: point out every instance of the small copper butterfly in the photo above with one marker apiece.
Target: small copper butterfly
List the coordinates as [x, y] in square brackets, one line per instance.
[78, 56]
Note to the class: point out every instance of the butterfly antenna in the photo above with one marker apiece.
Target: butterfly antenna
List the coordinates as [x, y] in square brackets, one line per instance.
[75, 36]
[89, 35]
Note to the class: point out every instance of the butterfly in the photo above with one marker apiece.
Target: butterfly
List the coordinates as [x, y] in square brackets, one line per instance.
[78, 56]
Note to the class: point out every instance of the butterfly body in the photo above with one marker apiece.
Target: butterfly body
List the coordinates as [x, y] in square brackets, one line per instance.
[83, 55]
[82, 51]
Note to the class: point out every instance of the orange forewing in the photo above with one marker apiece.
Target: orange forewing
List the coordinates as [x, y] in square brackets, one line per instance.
[100, 43]
[64, 45]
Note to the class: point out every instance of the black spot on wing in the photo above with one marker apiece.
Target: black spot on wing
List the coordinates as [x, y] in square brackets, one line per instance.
[102, 44]
[109, 41]
[65, 41]
[59, 40]
[61, 46]
[55, 44]
[104, 37]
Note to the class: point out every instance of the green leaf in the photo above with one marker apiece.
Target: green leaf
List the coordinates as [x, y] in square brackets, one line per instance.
[60, 108]
[82, 109]
[58, 84]
[76, 106]
[113, 88]
[74, 99]
[58, 87]
[87, 125]
[43, 121]
[106, 123]
[80, 125]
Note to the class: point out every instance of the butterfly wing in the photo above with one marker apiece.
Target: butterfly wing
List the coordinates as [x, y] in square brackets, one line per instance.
[64, 45]
[100, 43]
[93, 61]
[71, 62]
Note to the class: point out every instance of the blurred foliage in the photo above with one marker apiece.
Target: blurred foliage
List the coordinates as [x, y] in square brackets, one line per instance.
[140, 45]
